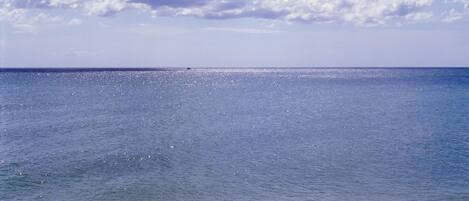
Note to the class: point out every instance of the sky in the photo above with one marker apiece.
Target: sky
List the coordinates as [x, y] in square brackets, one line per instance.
[234, 33]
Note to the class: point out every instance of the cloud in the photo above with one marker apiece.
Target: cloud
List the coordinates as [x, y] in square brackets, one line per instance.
[241, 30]
[465, 3]
[356, 12]
[453, 14]
[172, 3]
[105, 7]
[74, 22]
[20, 16]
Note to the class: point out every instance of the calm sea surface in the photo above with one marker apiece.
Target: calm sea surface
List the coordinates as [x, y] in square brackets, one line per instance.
[236, 135]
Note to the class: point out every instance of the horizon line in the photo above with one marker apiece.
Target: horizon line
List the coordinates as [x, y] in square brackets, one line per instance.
[102, 69]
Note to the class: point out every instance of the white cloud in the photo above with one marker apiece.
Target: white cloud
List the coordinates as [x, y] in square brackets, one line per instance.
[106, 7]
[465, 3]
[357, 12]
[419, 16]
[456, 14]
[24, 20]
[74, 22]
[241, 30]
[63, 3]
[453, 15]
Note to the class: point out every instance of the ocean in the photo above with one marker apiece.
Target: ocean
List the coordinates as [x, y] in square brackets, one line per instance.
[235, 135]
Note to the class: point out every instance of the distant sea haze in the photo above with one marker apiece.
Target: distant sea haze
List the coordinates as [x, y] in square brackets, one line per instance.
[244, 69]
[254, 134]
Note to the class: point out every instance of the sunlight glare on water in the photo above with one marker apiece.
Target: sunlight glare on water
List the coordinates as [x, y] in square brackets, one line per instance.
[259, 134]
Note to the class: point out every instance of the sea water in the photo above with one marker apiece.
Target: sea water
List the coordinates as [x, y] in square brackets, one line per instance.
[235, 135]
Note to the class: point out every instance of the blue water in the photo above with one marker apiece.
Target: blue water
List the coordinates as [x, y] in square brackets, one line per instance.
[236, 135]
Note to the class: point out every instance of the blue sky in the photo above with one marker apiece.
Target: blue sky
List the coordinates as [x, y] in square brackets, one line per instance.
[234, 33]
